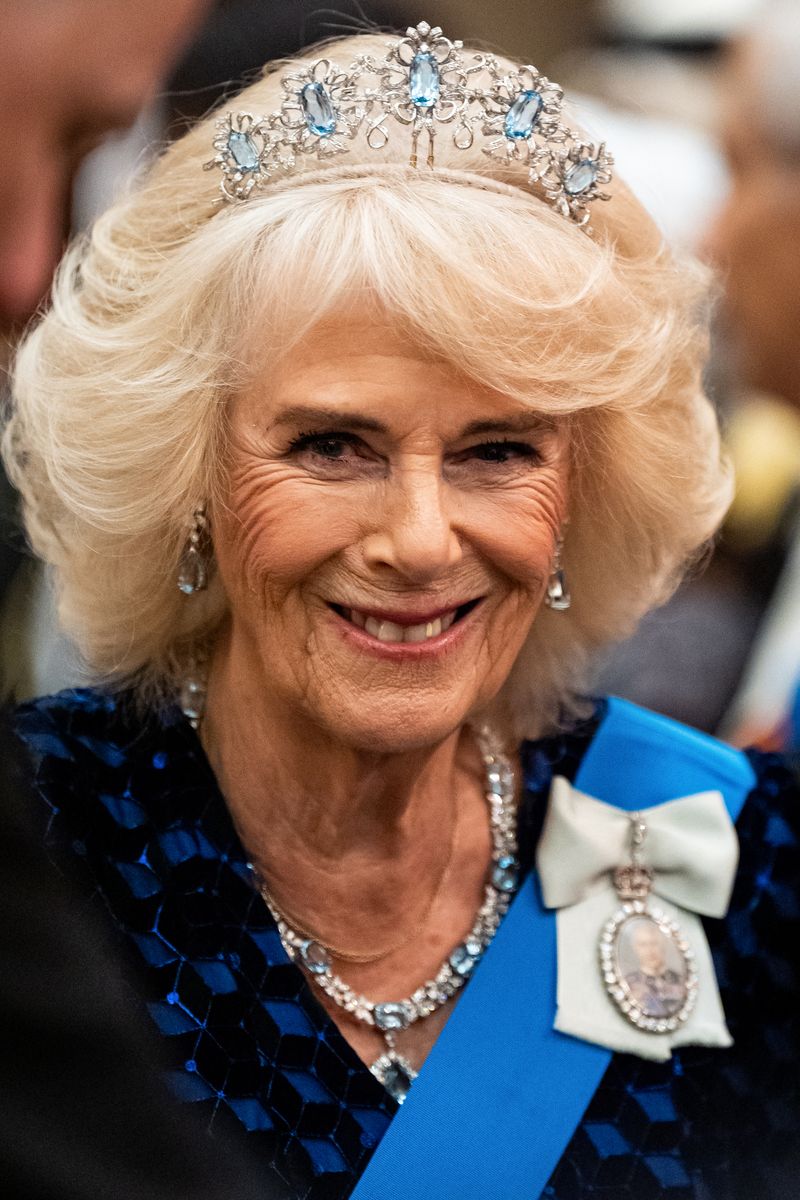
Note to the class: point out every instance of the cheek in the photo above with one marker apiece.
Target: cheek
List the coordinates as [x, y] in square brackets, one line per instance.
[518, 530]
[274, 531]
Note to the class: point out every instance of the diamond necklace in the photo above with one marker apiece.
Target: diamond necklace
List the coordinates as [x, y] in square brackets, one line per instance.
[390, 1017]
[305, 935]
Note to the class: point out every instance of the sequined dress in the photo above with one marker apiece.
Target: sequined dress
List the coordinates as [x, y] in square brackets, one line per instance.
[248, 1045]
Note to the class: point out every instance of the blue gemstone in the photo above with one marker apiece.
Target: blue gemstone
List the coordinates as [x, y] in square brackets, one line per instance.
[496, 786]
[315, 957]
[462, 961]
[319, 113]
[244, 153]
[506, 874]
[391, 1016]
[580, 178]
[523, 115]
[397, 1080]
[423, 82]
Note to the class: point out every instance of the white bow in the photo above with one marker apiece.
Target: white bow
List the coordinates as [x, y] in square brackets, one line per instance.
[692, 848]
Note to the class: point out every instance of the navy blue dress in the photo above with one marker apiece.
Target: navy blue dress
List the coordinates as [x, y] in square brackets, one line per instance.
[247, 1043]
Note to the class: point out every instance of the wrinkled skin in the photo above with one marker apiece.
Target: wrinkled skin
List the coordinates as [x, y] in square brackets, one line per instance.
[415, 517]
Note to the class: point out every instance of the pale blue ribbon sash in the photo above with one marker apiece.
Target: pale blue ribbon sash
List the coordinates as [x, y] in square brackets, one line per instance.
[502, 1092]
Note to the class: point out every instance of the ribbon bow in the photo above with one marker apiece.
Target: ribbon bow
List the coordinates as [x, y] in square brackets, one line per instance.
[693, 851]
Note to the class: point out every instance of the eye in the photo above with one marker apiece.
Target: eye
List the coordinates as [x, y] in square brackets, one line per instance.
[503, 452]
[335, 454]
[331, 446]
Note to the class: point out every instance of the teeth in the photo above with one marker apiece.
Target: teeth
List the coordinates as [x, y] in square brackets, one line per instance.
[384, 631]
[387, 631]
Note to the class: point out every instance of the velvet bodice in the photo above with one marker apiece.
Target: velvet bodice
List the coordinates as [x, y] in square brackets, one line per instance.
[245, 1042]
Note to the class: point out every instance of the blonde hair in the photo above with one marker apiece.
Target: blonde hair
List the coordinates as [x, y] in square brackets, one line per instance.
[173, 302]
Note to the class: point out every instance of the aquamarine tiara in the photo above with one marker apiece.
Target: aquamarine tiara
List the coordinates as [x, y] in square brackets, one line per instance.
[423, 82]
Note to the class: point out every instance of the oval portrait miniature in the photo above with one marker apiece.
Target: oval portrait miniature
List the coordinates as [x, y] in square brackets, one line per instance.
[648, 968]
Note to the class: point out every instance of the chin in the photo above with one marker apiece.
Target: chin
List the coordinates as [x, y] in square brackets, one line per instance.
[398, 726]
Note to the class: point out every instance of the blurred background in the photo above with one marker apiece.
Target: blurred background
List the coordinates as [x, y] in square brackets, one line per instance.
[699, 101]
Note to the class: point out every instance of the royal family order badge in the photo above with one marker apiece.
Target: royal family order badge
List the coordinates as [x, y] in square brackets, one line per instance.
[647, 965]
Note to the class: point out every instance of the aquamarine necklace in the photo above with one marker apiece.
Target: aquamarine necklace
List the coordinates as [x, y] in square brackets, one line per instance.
[391, 1017]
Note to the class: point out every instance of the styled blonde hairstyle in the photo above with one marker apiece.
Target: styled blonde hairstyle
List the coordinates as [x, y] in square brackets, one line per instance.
[174, 301]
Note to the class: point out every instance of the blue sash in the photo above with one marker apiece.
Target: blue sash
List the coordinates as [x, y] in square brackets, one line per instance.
[502, 1092]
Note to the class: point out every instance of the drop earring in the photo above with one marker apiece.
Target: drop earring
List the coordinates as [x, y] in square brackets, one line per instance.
[557, 595]
[193, 567]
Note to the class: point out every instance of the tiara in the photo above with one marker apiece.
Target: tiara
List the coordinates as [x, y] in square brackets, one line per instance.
[424, 83]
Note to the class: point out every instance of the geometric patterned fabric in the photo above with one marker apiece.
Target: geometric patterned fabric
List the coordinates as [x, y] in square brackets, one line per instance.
[247, 1045]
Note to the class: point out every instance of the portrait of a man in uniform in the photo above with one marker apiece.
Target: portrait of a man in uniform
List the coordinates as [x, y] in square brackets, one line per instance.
[652, 968]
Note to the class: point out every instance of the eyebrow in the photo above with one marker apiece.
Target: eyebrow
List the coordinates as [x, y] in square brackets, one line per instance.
[524, 423]
[302, 414]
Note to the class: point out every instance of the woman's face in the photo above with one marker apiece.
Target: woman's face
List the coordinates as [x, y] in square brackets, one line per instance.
[388, 536]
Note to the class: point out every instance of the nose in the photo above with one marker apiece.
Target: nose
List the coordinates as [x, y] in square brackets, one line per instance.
[413, 531]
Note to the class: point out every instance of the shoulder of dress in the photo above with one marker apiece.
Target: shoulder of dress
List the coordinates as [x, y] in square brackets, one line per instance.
[89, 748]
[104, 771]
[48, 725]
[86, 723]
[771, 816]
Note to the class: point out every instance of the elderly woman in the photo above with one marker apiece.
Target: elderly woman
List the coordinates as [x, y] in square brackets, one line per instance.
[346, 454]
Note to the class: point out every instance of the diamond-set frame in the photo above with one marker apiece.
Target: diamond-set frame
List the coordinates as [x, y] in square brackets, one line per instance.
[617, 987]
[423, 83]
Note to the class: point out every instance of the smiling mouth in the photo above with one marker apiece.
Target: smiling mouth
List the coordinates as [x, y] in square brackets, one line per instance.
[384, 630]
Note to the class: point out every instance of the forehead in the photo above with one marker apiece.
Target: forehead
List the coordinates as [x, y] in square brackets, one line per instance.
[371, 364]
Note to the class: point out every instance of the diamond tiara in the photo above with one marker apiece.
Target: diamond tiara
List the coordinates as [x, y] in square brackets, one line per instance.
[424, 82]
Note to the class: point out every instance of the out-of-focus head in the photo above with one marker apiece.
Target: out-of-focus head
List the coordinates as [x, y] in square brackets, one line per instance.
[756, 238]
[70, 71]
[435, 299]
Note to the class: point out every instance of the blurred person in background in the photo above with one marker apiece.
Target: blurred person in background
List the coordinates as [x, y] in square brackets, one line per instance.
[84, 1114]
[756, 242]
[71, 71]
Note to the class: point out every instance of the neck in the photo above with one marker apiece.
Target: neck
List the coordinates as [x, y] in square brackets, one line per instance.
[350, 841]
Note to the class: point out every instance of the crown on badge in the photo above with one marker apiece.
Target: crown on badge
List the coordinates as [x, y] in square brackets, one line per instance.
[424, 83]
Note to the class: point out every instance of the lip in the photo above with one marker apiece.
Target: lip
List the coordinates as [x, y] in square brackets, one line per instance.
[395, 651]
[407, 617]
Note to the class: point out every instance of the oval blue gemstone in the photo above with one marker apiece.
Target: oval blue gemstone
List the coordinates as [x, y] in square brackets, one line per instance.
[506, 874]
[315, 957]
[523, 115]
[462, 961]
[580, 177]
[423, 82]
[318, 111]
[391, 1016]
[244, 153]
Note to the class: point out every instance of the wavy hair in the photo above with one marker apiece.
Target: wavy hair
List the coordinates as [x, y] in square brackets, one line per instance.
[173, 302]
